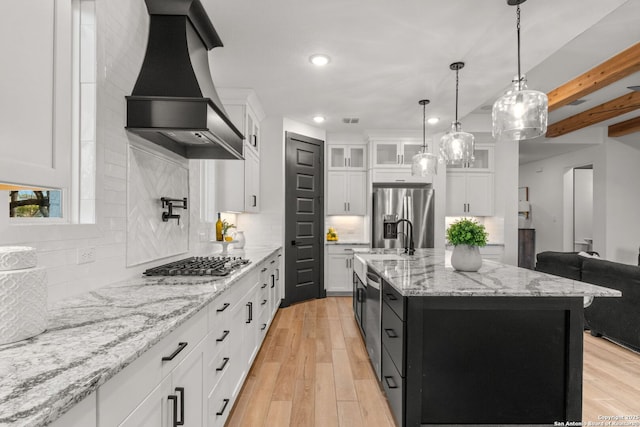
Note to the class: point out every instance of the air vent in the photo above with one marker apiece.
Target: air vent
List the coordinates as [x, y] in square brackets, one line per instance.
[350, 120]
[577, 102]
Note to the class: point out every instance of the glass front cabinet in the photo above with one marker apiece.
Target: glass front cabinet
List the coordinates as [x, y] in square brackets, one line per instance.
[347, 157]
[390, 154]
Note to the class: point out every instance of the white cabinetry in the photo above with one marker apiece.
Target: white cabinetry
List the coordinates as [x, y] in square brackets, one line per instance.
[391, 159]
[36, 45]
[199, 368]
[237, 182]
[469, 194]
[470, 187]
[338, 275]
[346, 193]
[347, 157]
[394, 154]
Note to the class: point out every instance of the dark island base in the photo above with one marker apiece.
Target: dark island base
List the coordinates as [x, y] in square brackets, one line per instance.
[493, 361]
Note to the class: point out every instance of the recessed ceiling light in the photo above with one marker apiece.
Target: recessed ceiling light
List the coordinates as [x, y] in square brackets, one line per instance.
[433, 120]
[319, 60]
[318, 119]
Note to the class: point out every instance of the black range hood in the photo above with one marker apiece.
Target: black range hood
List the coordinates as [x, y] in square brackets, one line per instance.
[174, 102]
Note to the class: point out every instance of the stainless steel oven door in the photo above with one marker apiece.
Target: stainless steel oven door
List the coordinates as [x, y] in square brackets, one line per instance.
[373, 325]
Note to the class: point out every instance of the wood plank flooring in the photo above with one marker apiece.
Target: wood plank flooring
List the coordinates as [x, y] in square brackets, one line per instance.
[313, 371]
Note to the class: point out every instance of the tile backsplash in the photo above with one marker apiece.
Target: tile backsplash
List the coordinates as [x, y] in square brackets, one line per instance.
[349, 228]
[152, 176]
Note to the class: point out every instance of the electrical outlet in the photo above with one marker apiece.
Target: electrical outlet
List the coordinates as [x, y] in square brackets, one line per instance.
[86, 255]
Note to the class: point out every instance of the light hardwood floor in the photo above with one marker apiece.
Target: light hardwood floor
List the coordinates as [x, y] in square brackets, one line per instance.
[313, 370]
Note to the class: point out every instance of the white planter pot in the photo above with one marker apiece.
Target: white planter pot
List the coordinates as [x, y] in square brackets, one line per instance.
[466, 258]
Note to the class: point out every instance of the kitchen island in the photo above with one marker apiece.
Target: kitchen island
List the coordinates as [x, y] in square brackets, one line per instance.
[136, 333]
[501, 346]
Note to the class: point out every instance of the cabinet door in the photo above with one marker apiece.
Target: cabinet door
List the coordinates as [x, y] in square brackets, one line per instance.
[357, 158]
[188, 385]
[252, 182]
[155, 410]
[357, 193]
[480, 194]
[336, 193]
[409, 149]
[337, 157]
[386, 154]
[337, 270]
[456, 194]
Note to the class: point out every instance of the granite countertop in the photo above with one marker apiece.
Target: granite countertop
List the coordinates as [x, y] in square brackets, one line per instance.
[429, 273]
[346, 242]
[95, 335]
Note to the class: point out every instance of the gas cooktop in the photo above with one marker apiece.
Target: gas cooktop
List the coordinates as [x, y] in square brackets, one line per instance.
[199, 266]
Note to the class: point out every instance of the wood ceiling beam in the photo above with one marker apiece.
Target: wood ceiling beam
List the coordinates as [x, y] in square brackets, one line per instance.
[623, 64]
[610, 109]
[625, 128]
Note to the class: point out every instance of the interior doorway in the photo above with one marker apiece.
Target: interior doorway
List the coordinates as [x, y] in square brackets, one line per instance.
[583, 208]
[304, 218]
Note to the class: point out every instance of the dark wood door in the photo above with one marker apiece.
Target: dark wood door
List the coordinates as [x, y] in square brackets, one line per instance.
[304, 219]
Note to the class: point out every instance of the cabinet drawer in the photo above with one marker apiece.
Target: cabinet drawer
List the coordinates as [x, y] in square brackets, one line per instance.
[219, 403]
[393, 337]
[217, 367]
[393, 385]
[121, 394]
[393, 298]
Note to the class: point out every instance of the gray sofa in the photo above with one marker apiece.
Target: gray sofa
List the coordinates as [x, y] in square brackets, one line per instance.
[615, 318]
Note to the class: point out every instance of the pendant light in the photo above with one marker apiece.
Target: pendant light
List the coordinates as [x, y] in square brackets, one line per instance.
[456, 146]
[520, 113]
[424, 163]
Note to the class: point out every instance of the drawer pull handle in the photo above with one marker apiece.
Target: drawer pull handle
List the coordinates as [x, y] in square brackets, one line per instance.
[181, 347]
[273, 261]
[223, 337]
[392, 383]
[225, 360]
[224, 407]
[264, 326]
[391, 296]
[391, 333]
[264, 301]
[224, 307]
[263, 270]
[264, 285]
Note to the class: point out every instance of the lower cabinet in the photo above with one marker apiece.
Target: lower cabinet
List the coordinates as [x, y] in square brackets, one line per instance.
[194, 375]
[338, 276]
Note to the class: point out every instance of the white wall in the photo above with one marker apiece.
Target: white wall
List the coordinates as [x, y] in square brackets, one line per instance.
[616, 200]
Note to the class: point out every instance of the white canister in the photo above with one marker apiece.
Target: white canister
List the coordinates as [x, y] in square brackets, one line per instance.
[17, 257]
[23, 304]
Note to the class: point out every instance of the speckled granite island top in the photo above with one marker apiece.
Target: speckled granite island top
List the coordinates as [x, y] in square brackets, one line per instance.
[429, 273]
[92, 337]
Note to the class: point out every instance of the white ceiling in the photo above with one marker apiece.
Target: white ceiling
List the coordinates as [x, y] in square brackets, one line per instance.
[385, 55]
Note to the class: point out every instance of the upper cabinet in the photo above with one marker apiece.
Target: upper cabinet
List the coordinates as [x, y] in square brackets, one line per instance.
[394, 154]
[347, 157]
[483, 154]
[237, 182]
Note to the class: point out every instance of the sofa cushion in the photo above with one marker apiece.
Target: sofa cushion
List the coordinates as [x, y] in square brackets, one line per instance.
[615, 318]
[564, 264]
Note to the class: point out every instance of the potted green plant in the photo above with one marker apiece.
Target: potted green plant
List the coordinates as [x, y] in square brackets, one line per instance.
[466, 236]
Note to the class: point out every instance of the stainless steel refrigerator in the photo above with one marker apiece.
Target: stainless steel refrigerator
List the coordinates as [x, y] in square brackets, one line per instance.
[409, 201]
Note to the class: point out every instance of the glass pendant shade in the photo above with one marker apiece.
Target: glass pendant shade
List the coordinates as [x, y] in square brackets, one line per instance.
[520, 113]
[424, 164]
[456, 146]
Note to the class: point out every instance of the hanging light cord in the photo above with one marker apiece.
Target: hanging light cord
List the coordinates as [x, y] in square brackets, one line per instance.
[518, 31]
[424, 128]
[457, 95]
